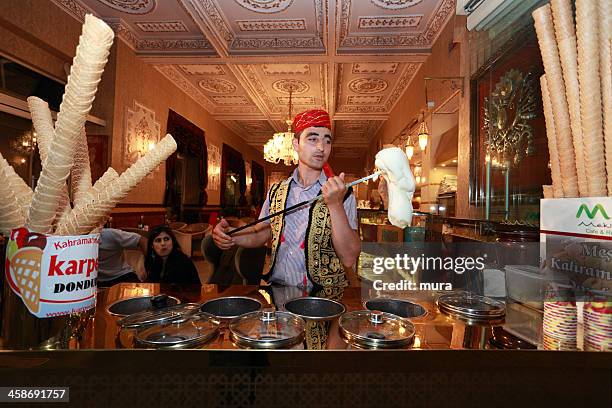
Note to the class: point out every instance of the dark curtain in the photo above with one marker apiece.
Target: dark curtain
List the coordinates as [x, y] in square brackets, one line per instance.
[257, 186]
[190, 141]
[231, 160]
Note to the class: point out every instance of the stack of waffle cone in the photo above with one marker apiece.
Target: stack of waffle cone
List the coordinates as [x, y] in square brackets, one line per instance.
[11, 213]
[590, 96]
[86, 217]
[109, 176]
[63, 151]
[85, 74]
[605, 64]
[556, 88]
[43, 123]
[566, 42]
[578, 68]
[81, 171]
[22, 192]
[555, 168]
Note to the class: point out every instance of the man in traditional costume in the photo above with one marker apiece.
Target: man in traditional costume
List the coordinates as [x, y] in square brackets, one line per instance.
[311, 245]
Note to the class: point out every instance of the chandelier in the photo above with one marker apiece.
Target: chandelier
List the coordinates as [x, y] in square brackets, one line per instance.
[25, 143]
[280, 146]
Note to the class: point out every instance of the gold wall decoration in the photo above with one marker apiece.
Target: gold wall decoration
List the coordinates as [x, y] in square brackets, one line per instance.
[214, 166]
[142, 132]
[507, 113]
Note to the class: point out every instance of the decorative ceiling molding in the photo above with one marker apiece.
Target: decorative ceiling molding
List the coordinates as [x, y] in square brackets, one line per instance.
[365, 100]
[131, 6]
[401, 86]
[368, 85]
[374, 68]
[75, 8]
[161, 26]
[396, 4]
[209, 69]
[286, 43]
[260, 90]
[217, 86]
[297, 101]
[272, 25]
[285, 69]
[184, 85]
[386, 22]
[295, 85]
[308, 44]
[173, 45]
[265, 6]
[230, 100]
[424, 39]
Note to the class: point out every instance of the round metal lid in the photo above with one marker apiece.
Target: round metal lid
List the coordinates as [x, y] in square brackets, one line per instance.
[129, 306]
[267, 329]
[188, 331]
[397, 307]
[315, 308]
[159, 316]
[471, 306]
[230, 307]
[376, 329]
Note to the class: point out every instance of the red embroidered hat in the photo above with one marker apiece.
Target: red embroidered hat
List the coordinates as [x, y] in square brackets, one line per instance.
[311, 117]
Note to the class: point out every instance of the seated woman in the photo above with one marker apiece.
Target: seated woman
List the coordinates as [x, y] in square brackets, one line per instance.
[165, 262]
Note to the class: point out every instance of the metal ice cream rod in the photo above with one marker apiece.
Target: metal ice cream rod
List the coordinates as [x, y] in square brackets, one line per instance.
[307, 202]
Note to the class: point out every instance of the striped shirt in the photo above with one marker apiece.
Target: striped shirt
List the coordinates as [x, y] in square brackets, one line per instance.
[290, 265]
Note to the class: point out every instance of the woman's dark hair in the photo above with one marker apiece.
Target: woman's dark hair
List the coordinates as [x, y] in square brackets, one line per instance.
[151, 256]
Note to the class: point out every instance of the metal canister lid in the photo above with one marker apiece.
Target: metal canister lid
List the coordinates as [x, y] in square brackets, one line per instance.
[267, 329]
[376, 329]
[230, 307]
[315, 308]
[189, 331]
[470, 306]
[159, 316]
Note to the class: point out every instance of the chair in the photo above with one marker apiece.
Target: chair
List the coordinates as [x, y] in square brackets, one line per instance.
[222, 263]
[177, 226]
[184, 240]
[249, 264]
[135, 258]
[210, 252]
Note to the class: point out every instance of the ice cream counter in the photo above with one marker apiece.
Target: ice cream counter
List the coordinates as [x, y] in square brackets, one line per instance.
[432, 356]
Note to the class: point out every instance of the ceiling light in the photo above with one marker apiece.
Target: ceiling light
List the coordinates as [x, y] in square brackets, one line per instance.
[280, 146]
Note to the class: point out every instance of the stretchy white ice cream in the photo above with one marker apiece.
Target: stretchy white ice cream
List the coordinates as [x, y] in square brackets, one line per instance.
[394, 164]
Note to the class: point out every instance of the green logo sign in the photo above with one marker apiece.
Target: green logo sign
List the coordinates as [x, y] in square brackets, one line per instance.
[593, 213]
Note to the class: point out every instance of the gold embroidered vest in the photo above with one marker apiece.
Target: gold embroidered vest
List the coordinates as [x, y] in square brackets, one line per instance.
[322, 264]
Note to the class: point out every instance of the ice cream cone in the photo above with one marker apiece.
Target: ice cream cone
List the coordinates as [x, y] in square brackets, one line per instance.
[590, 96]
[552, 66]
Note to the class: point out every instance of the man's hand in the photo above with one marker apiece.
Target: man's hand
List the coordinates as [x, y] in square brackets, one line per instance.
[333, 190]
[222, 240]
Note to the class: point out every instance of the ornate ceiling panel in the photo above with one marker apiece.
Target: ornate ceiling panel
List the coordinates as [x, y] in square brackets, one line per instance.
[238, 59]
[395, 26]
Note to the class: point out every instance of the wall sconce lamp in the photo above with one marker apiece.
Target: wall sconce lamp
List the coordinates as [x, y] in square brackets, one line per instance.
[409, 149]
[423, 135]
